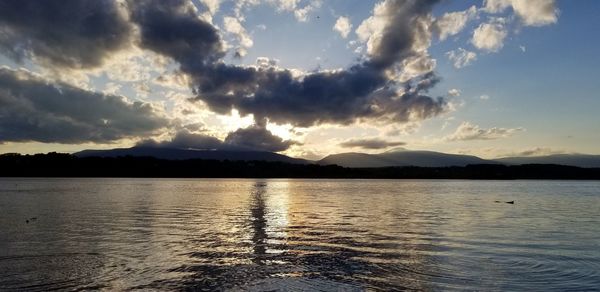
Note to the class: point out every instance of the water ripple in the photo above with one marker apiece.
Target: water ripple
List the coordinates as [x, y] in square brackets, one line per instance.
[298, 235]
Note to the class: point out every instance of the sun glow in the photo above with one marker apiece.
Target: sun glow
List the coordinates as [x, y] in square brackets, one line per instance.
[235, 121]
[283, 131]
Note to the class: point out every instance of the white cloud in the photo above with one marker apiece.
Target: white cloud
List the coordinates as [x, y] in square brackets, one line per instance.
[467, 132]
[490, 36]
[111, 88]
[302, 13]
[370, 30]
[142, 89]
[265, 62]
[523, 49]
[484, 97]
[233, 26]
[286, 5]
[453, 22]
[209, 9]
[173, 80]
[530, 12]
[416, 66]
[461, 57]
[212, 5]
[404, 129]
[343, 26]
[129, 67]
[454, 92]
[496, 6]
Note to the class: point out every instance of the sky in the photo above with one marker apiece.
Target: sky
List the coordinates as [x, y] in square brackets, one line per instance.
[305, 78]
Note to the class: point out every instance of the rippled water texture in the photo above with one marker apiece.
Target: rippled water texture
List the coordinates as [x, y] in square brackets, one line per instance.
[222, 234]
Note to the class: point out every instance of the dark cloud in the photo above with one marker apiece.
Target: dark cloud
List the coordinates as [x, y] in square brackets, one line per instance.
[65, 33]
[187, 140]
[370, 143]
[34, 109]
[173, 29]
[258, 138]
[253, 138]
[362, 91]
[81, 33]
[403, 30]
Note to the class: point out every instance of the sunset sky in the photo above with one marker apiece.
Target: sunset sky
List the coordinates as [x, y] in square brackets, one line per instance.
[304, 78]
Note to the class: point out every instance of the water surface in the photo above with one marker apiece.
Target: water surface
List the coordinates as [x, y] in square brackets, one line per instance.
[244, 234]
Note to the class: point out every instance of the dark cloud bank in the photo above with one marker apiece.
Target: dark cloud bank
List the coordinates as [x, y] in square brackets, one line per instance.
[253, 138]
[32, 109]
[362, 91]
[83, 33]
[64, 33]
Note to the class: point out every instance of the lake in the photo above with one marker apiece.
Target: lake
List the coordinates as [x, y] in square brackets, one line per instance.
[296, 234]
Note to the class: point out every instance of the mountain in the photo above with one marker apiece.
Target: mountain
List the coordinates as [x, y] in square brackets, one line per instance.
[181, 154]
[396, 157]
[402, 158]
[580, 160]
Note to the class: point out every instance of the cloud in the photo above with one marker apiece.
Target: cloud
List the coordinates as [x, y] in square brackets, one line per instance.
[452, 23]
[343, 26]
[186, 140]
[264, 62]
[258, 138]
[302, 13]
[493, 152]
[212, 5]
[112, 88]
[536, 151]
[253, 138]
[67, 34]
[285, 5]
[530, 12]
[36, 109]
[397, 30]
[174, 80]
[362, 91]
[467, 132]
[416, 66]
[374, 143]
[489, 36]
[390, 85]
[173, 29]
[404, 129]
[233, 26]
[454, 92]
[461, 58]
[484, 97]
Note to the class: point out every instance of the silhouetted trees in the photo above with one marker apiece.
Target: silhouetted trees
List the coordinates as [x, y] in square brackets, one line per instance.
[66, 165]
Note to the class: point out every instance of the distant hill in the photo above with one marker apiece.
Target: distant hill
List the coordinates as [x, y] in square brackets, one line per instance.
[402, 158]
[580, 160]
[183, 154]
[396, 157]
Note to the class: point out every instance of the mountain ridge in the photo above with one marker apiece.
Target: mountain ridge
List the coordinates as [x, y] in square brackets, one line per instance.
[393, 158]
[184, 154]
[580, 160]
[402, 158]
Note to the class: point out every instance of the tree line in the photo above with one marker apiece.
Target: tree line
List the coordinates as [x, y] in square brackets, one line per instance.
[67, 165]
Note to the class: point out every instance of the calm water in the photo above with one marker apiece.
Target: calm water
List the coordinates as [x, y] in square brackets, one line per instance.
[238, 234]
